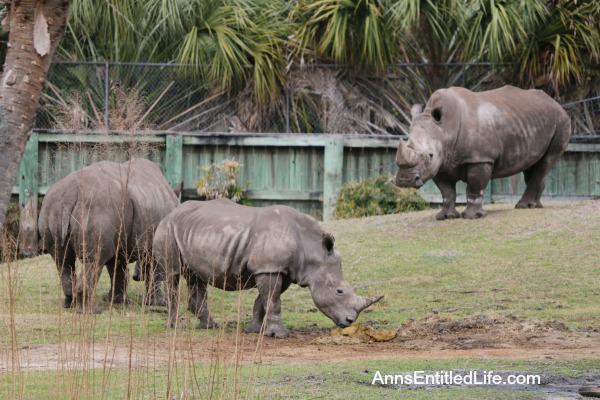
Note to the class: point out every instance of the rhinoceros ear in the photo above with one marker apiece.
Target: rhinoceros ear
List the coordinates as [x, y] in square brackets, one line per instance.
[436, 114]
[328, 242]
[415, 110]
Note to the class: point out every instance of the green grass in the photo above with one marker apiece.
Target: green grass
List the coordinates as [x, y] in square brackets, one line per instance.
[332, 380]
[537, 264]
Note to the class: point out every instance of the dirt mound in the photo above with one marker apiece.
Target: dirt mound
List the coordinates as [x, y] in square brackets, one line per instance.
[435, 331]
[357, 333]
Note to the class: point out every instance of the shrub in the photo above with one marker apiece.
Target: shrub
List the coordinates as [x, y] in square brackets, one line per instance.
[376, 196]
[220, 181]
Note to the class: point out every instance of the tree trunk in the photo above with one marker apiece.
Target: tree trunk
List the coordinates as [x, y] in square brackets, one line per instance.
[35, 28]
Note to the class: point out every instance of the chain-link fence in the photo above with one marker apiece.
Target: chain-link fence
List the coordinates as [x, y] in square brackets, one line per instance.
[317, 99]
[585, 118]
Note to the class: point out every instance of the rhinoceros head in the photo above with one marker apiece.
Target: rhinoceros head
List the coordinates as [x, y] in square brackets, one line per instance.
[419, 158]
[332, 295]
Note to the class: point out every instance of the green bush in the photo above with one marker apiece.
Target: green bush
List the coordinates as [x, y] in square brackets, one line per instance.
[376, 196]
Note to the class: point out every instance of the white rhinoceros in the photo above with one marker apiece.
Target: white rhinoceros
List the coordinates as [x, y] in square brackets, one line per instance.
[105, 214]
[474, 137]
[234, 247]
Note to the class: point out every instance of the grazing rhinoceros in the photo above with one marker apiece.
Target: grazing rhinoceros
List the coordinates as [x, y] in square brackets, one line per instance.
[473, 137]
[234, 247]
[105, 214]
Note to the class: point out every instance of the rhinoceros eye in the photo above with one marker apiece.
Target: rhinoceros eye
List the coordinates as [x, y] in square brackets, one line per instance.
[340, 291]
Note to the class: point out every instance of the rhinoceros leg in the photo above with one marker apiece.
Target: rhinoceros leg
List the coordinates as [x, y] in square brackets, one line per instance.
[269, 290]
[154, 293]
[533, 190]
[145, 271]
[86, 288]
[258, 313]
[478, 176]
[118, 277]
[65, 258]
[535, 176]
[152, 280]
[173, 302]
[197, 302]
[258, 316]
[448, 189]
[535, 179]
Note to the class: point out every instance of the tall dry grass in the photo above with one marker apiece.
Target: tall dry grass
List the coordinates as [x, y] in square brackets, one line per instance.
[124, 352]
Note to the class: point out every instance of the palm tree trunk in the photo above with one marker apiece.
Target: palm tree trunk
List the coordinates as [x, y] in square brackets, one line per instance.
[35, 27]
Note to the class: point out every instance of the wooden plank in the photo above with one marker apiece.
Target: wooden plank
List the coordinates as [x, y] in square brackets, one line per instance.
[332, 179]
[28, 199]
[584, 147]
[174, 160]
[257, 141]
[371, 142]
[98, 138]
[271, 195]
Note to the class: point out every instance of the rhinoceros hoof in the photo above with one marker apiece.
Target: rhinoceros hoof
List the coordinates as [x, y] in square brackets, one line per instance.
[529, 204]
[88, 310]
[181, 324]
[253, 328]
[118, 299]
[208, 325]
[277, 331]
[68, 302]
[473, 214]
[156, 302]
[447, 214]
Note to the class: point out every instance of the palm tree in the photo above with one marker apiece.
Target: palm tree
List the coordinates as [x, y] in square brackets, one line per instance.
[563, 49]
[355, 33]
[235, 43]
[247, 47]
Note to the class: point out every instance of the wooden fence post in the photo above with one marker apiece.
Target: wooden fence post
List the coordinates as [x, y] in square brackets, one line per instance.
[28, 198]
[332, 177]
[174, 159]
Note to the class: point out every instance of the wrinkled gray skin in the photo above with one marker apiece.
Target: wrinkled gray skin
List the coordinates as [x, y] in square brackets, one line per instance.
[105, 214]
[234, 247]
[474, 137]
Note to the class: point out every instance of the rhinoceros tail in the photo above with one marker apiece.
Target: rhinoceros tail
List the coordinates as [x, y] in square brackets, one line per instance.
[65, 219]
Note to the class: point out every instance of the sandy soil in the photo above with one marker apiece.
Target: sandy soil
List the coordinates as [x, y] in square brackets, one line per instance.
[431, 337]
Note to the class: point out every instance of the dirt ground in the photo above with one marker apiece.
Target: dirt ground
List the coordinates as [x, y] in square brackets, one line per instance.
[431, 337]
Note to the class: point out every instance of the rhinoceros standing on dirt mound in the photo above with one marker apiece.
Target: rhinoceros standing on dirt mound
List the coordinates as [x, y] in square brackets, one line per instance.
[105, 214]
[234, 247]
[474, 137]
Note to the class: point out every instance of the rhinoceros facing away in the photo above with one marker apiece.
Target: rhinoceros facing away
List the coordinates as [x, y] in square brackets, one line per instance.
[105, 214]
[473, 137]
[234, 247]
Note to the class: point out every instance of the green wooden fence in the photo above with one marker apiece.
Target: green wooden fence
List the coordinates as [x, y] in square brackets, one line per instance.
[303, 171]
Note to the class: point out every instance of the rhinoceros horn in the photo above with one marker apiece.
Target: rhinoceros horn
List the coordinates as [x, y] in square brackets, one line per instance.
[406, 157]
[370, 301]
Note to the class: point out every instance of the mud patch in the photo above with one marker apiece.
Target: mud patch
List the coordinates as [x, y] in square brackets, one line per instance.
[435, 331]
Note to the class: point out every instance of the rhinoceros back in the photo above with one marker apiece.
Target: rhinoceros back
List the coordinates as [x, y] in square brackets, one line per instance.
[509, 127]
[151, 196]
[220, 239]
[88, 203]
